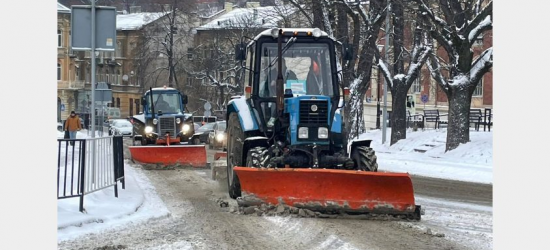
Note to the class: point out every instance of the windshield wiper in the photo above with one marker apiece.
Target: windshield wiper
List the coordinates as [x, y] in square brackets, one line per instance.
[288, 44]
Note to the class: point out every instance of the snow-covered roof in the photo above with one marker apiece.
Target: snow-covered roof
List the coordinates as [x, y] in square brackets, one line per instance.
[62, 8]
[136, 21]
[266, 17]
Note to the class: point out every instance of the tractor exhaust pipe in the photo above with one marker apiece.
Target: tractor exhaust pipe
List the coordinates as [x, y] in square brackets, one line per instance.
[280, 84]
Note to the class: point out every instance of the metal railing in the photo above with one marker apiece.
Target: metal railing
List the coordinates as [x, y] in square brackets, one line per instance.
[88, 165]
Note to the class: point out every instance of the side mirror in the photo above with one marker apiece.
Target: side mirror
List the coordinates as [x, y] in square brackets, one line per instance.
[240, 52]
[347, 51]
[143, 102]
[185, 99]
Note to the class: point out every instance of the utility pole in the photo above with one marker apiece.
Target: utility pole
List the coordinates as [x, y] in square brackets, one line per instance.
[378, 101]
[384, 85]
[92, 53]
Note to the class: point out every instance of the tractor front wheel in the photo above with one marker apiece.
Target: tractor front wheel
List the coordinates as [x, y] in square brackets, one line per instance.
[144, 141]
[364, 158]
[254, 157]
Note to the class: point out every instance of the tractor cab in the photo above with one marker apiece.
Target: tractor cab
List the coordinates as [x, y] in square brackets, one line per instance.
[284, 136]
[163, 120]
[309, 84]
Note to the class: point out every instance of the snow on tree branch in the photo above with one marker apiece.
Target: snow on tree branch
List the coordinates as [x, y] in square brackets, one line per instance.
[426, 11]
[435, 71]
[483, 63]
[448, 45]
[483, 25]
[328, 27]
[386, 72]
[301, 9]
[479, 18]
[419, 57]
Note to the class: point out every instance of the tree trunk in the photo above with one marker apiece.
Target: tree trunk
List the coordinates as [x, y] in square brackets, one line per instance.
[318, 15]
[399, 112]
[353, 119]
[458, 130]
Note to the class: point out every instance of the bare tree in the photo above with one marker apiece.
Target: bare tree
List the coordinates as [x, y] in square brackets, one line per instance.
[334, 17]
[214, 65]
[455, 24]
[401, 80]
[169, 39]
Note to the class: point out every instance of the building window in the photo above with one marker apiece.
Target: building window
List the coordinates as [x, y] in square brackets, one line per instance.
[478, 92]
[416, 86]
[137, 106]
[190, 54]
[479, 40]
[118, 49]
[77, 73]
[189, 80]
[118, 102]
[131, 106]
[59, 72]
[59, 38]
[117, 77]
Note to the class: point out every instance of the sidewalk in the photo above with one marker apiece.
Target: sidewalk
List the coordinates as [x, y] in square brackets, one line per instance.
[136, 203]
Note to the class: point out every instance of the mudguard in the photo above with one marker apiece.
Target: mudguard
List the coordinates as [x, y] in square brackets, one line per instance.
[241, 107]
[358, 142]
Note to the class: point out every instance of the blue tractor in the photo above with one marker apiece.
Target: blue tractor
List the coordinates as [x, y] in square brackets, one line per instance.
[163, 120]
[285, 138]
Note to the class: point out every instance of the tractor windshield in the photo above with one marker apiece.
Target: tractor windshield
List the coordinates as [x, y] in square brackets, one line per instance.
[306, 69]
[168, 103]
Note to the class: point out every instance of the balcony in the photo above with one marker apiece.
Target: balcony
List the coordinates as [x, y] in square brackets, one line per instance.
[79, 84]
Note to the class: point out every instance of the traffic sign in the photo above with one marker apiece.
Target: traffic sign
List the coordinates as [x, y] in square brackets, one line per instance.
[207, 106]
[207, 113]
[62, 107]
[424, 98]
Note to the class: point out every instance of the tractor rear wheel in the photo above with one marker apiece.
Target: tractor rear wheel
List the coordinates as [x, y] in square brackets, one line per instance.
[364, 158]
[234, 154]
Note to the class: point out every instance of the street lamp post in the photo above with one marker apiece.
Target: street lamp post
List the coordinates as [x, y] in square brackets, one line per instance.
[378, 105]
[386, 44]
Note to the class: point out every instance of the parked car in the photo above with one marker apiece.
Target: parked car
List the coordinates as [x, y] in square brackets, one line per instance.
[121, 127]
[109, 124]
[201, 134]
[217, 137]
[197, 125]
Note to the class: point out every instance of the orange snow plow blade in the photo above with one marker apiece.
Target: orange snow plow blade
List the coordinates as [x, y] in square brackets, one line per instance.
[184, 155]
[329, 190]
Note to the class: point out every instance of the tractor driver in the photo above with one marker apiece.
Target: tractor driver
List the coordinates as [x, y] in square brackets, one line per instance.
[269, 89]
[161, 104]
[315, 80]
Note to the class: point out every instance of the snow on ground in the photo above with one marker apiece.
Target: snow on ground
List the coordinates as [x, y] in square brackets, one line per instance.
[137, 203]
[469, 162]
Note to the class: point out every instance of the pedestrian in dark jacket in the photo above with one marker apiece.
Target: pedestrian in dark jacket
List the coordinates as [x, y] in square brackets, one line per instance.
[72, 124]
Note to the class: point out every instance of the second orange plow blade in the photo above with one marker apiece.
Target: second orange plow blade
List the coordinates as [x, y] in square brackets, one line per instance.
[329, 190]
[194, 156]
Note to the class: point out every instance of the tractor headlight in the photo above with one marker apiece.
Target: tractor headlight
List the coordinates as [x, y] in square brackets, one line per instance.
[178, 120]
[155, 121]
[275, 32]
[303, 132]
[148, 129]
[322, 133]
[185, 128]
[220, 137]
[316, 32]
